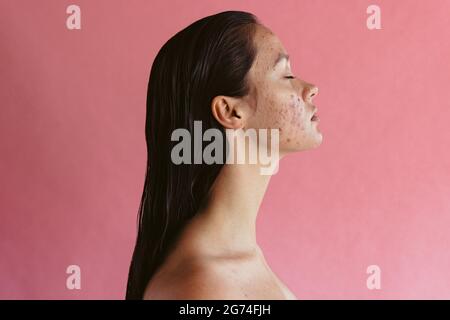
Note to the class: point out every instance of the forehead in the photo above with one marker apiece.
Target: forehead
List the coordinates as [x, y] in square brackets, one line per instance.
[268, 48]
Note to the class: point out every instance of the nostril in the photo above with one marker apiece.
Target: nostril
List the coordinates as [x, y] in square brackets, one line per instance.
[310, 91]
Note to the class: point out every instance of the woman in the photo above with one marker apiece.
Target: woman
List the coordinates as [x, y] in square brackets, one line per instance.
[196, 231]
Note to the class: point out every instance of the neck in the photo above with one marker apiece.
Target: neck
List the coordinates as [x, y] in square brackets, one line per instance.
[228, 220]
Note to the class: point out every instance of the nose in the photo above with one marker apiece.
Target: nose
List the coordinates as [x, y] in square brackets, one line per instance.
[314, 91]
[311, 91]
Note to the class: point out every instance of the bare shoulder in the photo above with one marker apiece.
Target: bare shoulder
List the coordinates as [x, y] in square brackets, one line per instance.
[195, 281]
[208, 282]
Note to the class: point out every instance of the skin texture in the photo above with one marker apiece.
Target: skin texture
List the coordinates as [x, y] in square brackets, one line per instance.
[217, 255]
[280, 102]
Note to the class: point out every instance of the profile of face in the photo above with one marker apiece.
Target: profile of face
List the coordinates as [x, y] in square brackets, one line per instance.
[277, 98]
[280, 99]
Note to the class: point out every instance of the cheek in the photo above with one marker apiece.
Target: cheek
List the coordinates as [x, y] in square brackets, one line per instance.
[297, 111]
[283, 111]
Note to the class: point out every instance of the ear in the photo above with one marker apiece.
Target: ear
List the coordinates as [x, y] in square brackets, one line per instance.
[229, 112]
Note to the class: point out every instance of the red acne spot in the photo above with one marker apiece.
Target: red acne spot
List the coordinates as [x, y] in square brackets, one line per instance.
[295, 101]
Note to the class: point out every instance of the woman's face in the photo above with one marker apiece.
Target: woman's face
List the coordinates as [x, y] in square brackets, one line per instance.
[279, 99]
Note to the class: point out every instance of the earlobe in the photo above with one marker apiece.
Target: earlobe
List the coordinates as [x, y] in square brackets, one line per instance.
[227, 112]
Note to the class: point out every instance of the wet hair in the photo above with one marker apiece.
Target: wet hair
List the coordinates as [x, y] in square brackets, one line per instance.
[210, 57]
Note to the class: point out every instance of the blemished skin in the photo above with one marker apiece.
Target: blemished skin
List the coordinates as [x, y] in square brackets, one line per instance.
[217, 255]
[279, 101]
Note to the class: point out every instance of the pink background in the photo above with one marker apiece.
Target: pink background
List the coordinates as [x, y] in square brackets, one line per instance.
[72, 145]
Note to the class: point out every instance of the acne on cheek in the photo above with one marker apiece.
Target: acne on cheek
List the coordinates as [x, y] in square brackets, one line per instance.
[298, 108]
[284, 115]
[296, 102]
[296, 123]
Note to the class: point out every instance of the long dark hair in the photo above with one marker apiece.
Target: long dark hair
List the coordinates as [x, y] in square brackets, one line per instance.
[210, 57]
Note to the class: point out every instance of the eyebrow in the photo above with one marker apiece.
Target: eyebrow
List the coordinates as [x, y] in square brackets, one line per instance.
[281, 56]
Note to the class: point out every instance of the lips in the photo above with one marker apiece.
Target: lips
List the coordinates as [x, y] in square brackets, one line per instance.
[315, 117]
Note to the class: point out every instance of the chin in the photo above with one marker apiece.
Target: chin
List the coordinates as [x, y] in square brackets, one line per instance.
[301, 146]
[318, 141]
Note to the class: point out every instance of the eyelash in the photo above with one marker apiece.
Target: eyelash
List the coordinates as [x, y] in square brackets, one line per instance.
[290, 77]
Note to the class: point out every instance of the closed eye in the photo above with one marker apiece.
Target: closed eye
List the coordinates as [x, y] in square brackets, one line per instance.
[290, 77]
